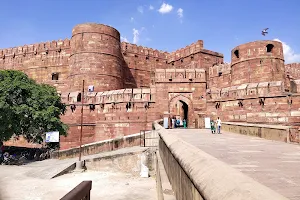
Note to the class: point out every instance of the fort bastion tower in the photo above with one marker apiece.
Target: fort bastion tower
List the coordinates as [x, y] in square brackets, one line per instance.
[96, 57]
[258, 61]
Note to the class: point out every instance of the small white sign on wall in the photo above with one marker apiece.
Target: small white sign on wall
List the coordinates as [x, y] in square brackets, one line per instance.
[52, 136]
[207, 122]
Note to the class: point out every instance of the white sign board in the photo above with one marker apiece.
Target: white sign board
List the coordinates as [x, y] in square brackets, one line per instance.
[166, 122]
[207, 122]
[52, 136]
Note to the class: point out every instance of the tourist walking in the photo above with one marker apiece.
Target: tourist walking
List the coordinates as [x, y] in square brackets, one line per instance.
[219, 124]
[212, 127]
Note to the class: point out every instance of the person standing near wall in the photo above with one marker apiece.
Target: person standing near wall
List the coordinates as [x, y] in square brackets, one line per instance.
[184, 123]
[212, 127]
[219, 124]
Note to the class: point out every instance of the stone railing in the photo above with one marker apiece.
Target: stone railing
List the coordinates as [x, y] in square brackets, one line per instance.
[101, 146]
[196, 175]
[288, 134]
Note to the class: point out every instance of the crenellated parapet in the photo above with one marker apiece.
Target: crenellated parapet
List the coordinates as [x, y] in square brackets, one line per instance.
[190, 51]
[193, 48]
[293, 70]
[39, 48]
[248, 90]
[180, 75]
[111, 96]
[128, 48]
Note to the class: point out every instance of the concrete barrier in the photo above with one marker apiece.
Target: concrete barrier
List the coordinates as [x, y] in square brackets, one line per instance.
[195, 175]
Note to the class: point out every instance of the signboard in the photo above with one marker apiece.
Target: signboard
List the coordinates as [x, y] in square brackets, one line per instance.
[166, 122]
[52, 136]
[207, 122]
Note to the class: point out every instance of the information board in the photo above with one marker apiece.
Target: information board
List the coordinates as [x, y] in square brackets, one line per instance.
[52, 136]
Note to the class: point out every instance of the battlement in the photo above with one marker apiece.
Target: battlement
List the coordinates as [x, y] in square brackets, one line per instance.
[180, 75]
[186, 51]
[248, 90]
[218, 70]
[38, 48]
[111, 96]
[144, 51]
[190, 50]
[293, 70]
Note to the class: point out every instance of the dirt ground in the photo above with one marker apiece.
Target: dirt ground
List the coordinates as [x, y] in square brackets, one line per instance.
[110, 185]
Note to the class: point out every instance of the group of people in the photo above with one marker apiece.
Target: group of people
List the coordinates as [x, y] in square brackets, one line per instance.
[177, 122]
[213, 125]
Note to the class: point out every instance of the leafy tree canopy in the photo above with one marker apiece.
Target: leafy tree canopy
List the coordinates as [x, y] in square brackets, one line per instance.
[27, 108]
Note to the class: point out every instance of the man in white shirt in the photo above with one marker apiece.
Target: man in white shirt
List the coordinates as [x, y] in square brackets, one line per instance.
[219, 125]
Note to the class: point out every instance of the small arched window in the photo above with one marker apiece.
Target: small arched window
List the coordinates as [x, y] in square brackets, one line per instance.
[269, 48]
[79, 97]
[236, 53]
[55, 76]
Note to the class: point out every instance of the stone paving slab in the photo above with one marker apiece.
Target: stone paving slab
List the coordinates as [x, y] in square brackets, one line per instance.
[33, 181]
[272, 163]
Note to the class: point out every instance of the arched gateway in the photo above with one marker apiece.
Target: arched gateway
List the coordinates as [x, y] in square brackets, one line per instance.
[181, 107]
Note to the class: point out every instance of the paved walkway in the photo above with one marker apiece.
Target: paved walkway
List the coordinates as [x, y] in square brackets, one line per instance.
[274, 164]
[33, 181]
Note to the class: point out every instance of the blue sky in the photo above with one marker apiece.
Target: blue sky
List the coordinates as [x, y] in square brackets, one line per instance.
[221, 24]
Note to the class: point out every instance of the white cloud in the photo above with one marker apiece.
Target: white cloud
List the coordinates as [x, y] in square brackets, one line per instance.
[131, 19]
[180, 12]
[165, 8]
[140, 9]
[289, 55]
[124, 39]
[136, 35]
[151, 7]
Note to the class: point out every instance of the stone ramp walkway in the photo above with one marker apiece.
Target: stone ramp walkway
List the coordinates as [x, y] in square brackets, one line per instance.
[50, 168]
[274, 164]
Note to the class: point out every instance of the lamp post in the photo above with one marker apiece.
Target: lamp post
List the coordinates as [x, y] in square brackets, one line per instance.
[81, 122]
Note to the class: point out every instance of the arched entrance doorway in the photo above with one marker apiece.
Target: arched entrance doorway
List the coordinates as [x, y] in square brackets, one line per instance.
[181, 108]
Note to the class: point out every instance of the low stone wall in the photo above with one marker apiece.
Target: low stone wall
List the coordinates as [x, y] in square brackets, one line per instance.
[271, 132]
[101, 146]
[195, 175]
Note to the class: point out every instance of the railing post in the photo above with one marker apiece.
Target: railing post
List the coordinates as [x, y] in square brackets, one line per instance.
[80, 192]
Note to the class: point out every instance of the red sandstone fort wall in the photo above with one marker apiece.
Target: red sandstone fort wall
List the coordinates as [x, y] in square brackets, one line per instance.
[293, 70]
[250, 89]
[140, 64]
[117, 113]
[40, 61]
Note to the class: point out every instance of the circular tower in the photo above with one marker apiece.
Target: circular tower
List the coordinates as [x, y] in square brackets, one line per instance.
[96, 57]
[259, 61]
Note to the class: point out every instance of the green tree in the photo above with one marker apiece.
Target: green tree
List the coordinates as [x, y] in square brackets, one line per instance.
[28, 109]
